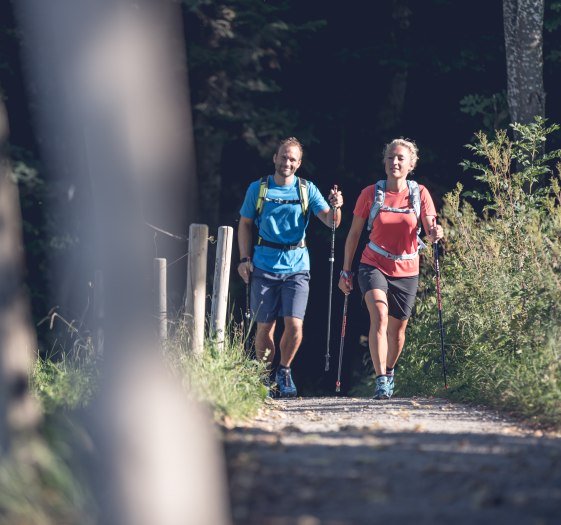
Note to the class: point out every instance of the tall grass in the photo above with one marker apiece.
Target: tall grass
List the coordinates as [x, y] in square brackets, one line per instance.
[226, 378]
[39, 481]
[501, 284]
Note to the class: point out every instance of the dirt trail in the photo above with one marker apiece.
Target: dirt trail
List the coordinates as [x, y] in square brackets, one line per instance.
[347, 461]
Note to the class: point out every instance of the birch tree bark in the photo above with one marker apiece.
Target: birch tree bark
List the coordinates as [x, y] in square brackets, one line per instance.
[523, 31]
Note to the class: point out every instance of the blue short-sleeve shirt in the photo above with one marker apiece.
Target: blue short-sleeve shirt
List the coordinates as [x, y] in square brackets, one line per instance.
[282, 223]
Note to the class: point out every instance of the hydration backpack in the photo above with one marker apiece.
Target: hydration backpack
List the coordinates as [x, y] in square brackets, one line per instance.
[262, 196]
[415, 207]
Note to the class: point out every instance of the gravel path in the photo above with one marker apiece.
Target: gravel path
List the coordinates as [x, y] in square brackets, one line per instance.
[347, 461]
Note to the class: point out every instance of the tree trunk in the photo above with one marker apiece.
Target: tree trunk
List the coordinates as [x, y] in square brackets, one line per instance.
[18, 410]
[523, 30]
[120, 85]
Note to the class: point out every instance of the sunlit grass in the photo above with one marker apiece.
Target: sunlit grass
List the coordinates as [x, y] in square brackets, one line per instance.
[227, 378]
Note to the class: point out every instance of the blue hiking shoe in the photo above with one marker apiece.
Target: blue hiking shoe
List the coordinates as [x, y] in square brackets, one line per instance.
[286, 386]
[390, 384]
[382, 388]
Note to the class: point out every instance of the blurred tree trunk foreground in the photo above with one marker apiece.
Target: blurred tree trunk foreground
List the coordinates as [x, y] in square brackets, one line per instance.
[18, 410]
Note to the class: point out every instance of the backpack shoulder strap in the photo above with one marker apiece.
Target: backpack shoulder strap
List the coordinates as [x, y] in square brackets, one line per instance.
[304, 198]
[263, 187]
[378, 202]
[415, 197]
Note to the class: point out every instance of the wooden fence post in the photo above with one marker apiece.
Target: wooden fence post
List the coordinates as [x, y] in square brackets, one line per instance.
[161, 298]
[220, 284]
[196, 287]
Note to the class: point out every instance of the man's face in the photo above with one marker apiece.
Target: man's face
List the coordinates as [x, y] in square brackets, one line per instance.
[287, 160]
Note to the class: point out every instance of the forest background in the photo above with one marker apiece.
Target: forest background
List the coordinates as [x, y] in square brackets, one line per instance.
[343, 79]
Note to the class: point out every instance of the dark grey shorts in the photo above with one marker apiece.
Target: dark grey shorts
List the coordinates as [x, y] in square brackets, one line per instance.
[401, 291]
[278, 295]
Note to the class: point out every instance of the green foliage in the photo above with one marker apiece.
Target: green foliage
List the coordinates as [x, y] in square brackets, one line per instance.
[39, 486]
[228, 379]
[501, 284]
[66, 382]
[237, 52]
[492, 110]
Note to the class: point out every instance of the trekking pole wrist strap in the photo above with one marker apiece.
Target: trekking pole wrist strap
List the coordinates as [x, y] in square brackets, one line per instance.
[347, 275]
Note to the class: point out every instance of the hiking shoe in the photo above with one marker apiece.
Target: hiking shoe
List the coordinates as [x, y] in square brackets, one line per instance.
[390, 384]
[382, 388]
[286, 386]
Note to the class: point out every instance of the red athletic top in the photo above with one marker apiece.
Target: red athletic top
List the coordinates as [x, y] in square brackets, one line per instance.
[393, 232]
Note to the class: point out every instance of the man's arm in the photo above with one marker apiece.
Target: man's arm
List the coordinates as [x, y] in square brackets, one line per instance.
[336, 201]
[245, 245]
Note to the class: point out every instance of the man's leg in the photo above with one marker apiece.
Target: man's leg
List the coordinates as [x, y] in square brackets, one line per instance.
[289, 344]
[265, 342]
[294, 299]
[265, 302]
[291, 340]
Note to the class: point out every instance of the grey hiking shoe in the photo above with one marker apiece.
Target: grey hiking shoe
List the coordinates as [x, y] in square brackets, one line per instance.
[382, 390]
[286, 386]
[390, 384]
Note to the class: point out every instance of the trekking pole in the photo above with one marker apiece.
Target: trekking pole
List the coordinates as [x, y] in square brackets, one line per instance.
[342, 344]
[247, 313]
[331, 260]
[439, 302]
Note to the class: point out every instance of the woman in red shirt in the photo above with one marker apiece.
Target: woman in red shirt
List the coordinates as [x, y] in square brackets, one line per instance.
[388, 273]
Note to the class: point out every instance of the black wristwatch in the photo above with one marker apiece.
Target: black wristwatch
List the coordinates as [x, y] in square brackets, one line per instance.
[245, 259]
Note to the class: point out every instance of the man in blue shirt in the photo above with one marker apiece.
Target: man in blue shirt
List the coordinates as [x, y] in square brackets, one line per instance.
[280, 205]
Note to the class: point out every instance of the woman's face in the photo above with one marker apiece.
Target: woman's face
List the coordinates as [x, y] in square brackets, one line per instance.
[398, 162]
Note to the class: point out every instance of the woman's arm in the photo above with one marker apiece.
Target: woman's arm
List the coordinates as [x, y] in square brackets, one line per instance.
[434, 231]
[346, 283]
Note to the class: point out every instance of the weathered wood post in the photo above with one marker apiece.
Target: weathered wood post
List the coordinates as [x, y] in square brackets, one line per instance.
[160, 296]
[220, 284]
[196, 287]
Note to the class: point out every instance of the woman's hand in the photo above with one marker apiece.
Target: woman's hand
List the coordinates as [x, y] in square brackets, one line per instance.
[346, 282]
[435, 233]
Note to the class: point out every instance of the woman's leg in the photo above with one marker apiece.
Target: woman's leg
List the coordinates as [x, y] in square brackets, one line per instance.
[377, 304]
[396, 339]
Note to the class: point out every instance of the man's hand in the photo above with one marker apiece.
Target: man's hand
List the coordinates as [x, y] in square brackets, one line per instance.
[335, 198]
[245, 267]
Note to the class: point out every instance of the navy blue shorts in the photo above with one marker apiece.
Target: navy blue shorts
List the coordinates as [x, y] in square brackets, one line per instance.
[401, 291]
[278, 295]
